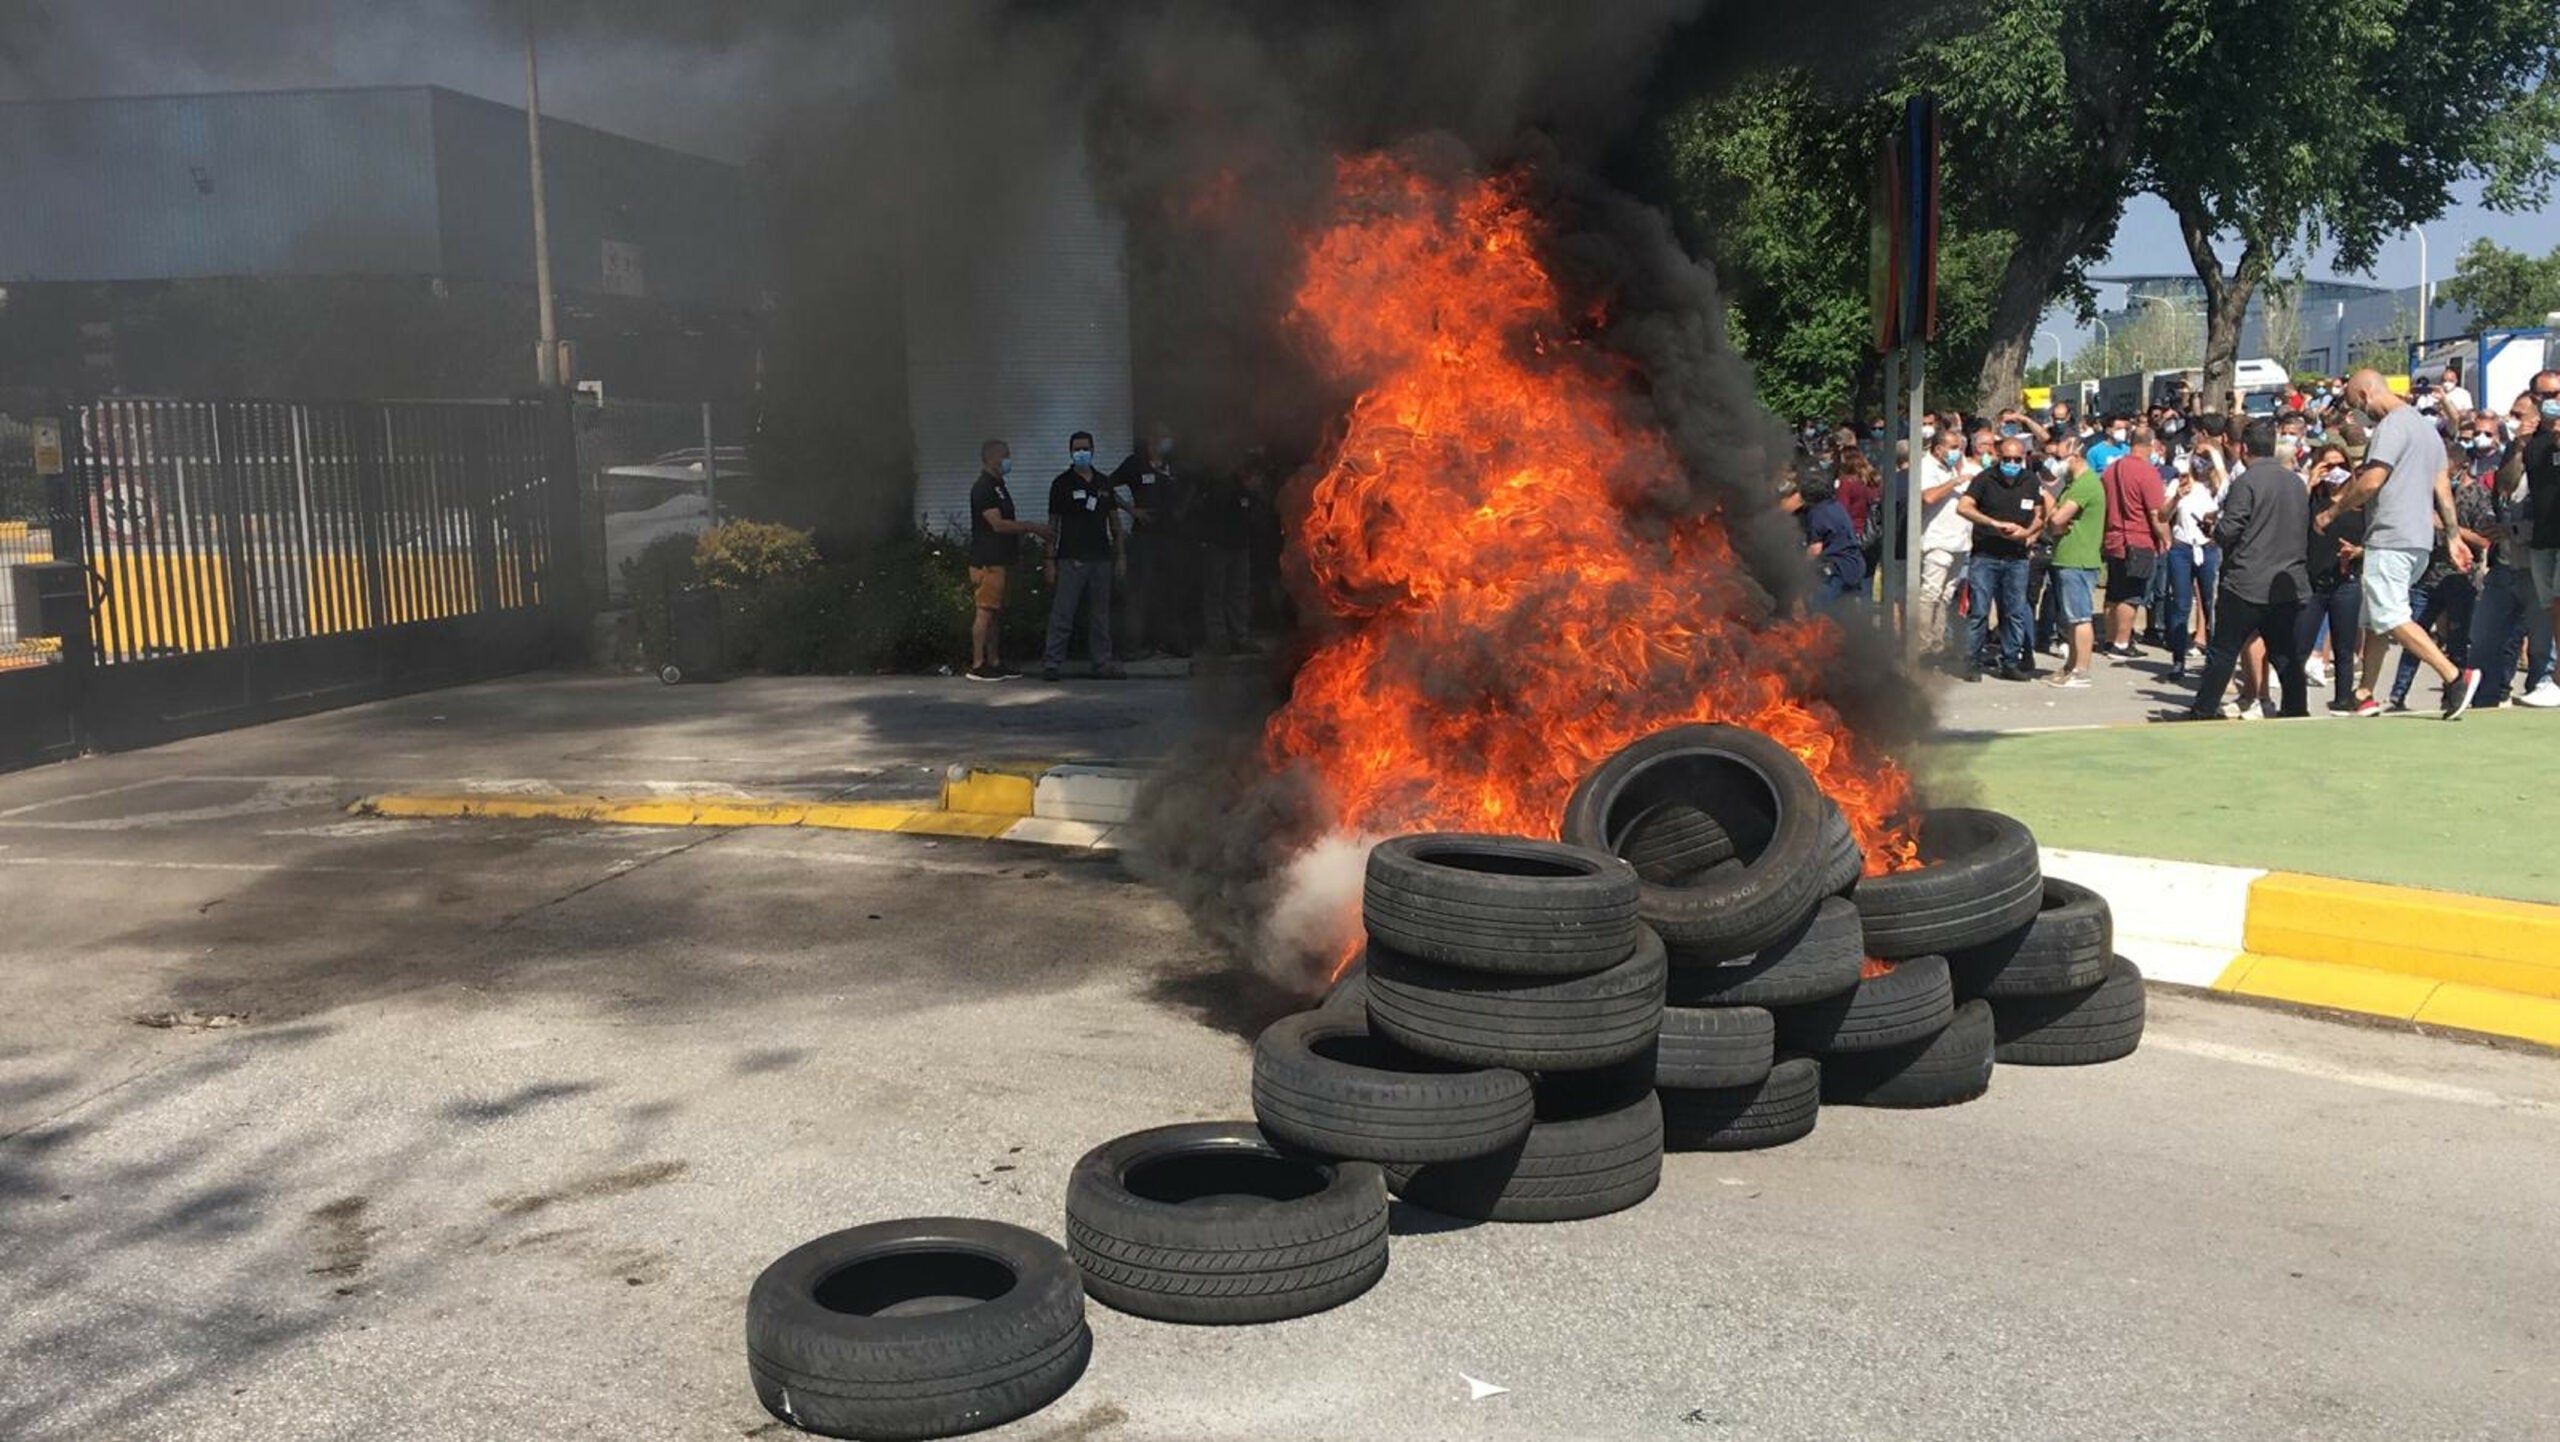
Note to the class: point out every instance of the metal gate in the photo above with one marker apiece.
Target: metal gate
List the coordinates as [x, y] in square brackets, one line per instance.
[248, 560]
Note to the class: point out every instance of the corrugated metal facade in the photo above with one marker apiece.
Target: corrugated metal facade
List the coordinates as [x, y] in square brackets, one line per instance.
[1017, 321]
[416, 181]
[191, 186]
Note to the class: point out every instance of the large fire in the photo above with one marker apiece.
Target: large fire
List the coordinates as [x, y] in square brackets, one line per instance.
[1508, 615]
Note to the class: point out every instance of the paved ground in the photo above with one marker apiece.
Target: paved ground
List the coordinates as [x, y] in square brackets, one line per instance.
[518, 1111]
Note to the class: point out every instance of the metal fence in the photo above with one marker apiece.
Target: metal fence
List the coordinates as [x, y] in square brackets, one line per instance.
[216, 525]
[24, 537]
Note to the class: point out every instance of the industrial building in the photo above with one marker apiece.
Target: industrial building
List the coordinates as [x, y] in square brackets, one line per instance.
[360, 242]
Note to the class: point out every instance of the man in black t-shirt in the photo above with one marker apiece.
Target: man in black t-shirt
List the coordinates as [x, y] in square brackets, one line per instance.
[1231, 516]
[995, 543]
[2534, 463]
[2008, 511]
[1085, 514]
[1156, 548]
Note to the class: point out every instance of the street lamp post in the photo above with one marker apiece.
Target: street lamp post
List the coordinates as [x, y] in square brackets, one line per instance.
[546, 362]
[2426, 302]
[2057, 354]
[2106, 348]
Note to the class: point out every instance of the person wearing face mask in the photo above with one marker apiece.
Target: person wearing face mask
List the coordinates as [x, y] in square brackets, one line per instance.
[1085, 514]
[2404, 482]
[995, 543]
[2262, 522]
[2118, 442]
[2078, 522]
[2195, 561]
[2007, 509]
[1157, 552]
[2507, 618]
[1946, 537]
[2532, 471]
[2451, 397]
[2333, 556]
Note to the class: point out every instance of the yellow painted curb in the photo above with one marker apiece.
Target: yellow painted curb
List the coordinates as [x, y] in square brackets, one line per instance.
[2315, 983]
[991, 793]
[693, 811]
[2510, 946]
[2500, 1013]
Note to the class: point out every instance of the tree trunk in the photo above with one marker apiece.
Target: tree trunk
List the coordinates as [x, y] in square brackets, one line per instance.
[2226, 300]
[2027, 287]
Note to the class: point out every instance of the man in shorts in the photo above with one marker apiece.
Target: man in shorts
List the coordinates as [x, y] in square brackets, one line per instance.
[2079, 526]
[995, 543]
[2404, 488]
[2135, 535]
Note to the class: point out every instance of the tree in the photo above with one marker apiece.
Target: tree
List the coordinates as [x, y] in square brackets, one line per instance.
[2280, 326]
[2288, 124]
[2500, 287]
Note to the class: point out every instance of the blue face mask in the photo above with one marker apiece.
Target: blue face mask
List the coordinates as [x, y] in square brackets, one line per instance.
[1005, 467]
[2013, 469]
[2551, 408]
[1081, 458]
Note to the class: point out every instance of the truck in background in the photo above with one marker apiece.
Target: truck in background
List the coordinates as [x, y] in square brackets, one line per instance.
[2496, 365]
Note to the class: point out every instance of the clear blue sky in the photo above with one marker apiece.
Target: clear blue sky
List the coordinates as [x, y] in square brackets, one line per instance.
[2148, 243]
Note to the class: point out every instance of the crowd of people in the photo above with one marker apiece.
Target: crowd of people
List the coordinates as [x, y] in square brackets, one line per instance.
[1151, 561]
[2261, 555]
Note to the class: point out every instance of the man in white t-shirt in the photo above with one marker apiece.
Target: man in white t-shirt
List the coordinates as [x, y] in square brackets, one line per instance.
[1946, 538]
[2452, 398]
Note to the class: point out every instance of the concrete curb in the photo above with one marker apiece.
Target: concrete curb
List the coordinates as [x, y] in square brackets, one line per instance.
[2465, 963]
[919, 819]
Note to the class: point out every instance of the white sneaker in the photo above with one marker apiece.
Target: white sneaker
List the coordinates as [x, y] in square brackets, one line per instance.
[2234, 711]
[2314, 672]
[2542, 697]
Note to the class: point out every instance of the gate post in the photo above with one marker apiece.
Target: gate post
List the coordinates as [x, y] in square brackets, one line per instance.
[564, 562]
[67, 512]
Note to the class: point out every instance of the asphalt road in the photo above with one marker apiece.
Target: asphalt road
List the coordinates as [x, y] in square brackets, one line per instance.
[518, 1111]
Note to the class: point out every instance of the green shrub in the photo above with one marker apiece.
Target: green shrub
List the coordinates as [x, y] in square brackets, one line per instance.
[663, 567]
[745, 554]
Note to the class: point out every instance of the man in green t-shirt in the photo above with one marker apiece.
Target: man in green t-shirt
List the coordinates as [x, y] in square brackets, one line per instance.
[2079, 526]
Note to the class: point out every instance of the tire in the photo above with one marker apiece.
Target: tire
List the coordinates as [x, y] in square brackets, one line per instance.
[1500, 904]
[1706, 1047]
[919, 1328]
[1844, 862]
[1953, 1066]
[1980, 880]
[1820, 957]
[1572, 1165]
[2065, 948]
[2085, 1028]
[1757, 791]
[671, 674]
[1672, 842]
[1908, 1003]
[1777, 1110]
[1350, 992]
[1527, 1023]
[1208, 1222]
[1323, 1084]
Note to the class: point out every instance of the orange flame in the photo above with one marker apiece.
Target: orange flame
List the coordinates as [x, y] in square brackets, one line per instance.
[1506, 622]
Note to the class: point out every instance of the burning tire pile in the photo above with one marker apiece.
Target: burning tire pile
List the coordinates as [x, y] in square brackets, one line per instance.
[1700, 964]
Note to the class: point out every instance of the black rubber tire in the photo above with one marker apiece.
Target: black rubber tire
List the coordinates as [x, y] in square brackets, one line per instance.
[1779, 1109]
[2085, 1028]
[1350, 991]
[1763, 797]
[1528, 1023]
[1322, 1083]
[1573, 1164]
[1500, 903]
[1905, 1004]
[2065, 948]
[828, 1355]
[1819, 957]
[1844, 862]
[1978, 881]
[1281, 1236]
[1936, 1071]
[1718, 1046]
[1672, 842]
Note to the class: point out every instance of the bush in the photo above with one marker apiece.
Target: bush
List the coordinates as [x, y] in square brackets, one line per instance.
[650, 579]
[743, 555]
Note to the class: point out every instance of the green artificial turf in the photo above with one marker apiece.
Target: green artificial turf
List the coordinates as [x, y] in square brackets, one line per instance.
[2472, 806]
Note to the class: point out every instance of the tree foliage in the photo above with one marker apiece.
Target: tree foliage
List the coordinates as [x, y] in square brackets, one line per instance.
[2289, 125]
[2500, 287]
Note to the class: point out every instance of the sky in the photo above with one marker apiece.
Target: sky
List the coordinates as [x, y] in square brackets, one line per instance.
[2148, 243]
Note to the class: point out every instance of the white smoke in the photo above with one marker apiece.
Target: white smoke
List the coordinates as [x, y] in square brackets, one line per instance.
[1315, 916]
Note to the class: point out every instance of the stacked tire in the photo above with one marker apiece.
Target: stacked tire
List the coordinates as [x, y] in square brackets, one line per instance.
[1493, 1050]
[1794, 979]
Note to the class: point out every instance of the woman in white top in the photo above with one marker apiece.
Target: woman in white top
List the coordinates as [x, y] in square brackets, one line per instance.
[2195, 562]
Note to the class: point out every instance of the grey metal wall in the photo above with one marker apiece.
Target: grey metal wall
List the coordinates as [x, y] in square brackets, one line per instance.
[1017, 320]
[178, 187]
